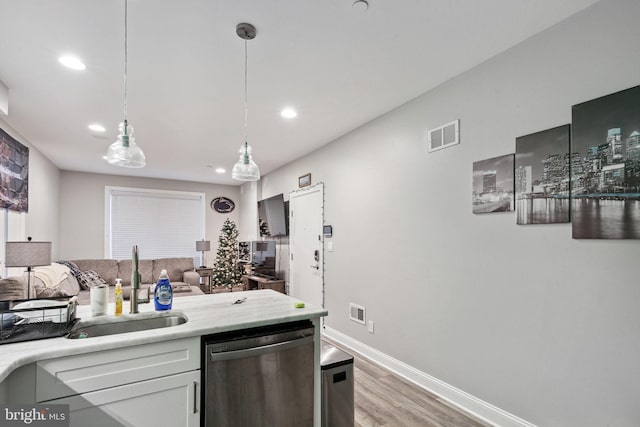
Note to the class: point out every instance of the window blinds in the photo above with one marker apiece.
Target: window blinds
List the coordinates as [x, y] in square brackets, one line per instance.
[162, 223]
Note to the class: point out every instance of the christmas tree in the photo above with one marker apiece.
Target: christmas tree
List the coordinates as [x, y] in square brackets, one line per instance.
[225, 269]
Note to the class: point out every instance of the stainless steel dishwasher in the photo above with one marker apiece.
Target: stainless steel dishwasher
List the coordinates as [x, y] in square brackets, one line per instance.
[259, 377]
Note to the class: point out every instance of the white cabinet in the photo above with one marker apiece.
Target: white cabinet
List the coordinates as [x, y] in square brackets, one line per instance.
[154, 384]
[168, 401]
[66, 376]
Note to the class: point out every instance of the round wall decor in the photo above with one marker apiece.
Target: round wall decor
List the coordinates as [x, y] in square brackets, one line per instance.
[223, 205]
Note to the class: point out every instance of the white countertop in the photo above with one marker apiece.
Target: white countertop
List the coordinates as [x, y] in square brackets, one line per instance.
[206, 314]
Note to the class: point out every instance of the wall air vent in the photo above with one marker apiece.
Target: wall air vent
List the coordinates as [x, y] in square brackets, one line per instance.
[444, 136]
[356, 313]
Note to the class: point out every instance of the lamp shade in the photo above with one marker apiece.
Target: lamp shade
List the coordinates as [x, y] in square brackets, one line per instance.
[27, 254]
[203, 245]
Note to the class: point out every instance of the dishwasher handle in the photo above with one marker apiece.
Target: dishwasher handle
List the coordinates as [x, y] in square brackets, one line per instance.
[257, 351]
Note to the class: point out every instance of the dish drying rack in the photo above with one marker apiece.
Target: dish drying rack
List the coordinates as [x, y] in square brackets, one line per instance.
[28, 324]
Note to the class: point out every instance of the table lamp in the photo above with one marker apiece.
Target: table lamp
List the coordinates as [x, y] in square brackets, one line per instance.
[28, 254]
[203, 246]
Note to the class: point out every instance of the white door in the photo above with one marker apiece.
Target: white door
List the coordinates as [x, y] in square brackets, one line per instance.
[306, 245]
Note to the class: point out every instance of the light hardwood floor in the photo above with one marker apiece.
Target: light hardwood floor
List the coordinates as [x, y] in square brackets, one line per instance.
[383, 399]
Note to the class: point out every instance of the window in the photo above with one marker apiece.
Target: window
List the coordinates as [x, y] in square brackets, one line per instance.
[162, 223]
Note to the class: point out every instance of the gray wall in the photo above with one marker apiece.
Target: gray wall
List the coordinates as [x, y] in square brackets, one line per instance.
[42, 220]
[82, 210]
[523, 317]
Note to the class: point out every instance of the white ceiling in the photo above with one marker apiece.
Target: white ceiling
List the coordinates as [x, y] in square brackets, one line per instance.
[338, 67]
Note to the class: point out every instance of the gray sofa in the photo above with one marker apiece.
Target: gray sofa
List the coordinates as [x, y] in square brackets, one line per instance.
[181, 273]
[53, 280]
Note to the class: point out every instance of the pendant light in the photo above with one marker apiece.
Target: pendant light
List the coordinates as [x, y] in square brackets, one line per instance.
[125, 152]
[246, 169]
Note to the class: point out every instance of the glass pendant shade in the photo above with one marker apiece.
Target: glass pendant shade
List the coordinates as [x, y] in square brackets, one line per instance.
[125, 152]
[245, 169]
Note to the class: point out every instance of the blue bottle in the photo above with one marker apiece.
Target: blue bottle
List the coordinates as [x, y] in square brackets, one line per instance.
[163, 294]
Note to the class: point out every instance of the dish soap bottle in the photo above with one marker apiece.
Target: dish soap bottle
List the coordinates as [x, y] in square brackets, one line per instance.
[118, 297]
[163, 294]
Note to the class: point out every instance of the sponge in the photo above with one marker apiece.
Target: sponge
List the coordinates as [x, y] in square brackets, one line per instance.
[299, 305]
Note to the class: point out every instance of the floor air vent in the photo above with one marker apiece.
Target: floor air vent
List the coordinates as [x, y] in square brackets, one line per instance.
[356, 313]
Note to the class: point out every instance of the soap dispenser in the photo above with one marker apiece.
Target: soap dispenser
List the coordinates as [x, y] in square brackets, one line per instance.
[118, 295]
[163, 294]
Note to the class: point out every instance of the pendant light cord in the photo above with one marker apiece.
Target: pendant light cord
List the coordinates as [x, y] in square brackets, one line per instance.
[246, 169]
[246, 108]
[124, 152]
[125, 64]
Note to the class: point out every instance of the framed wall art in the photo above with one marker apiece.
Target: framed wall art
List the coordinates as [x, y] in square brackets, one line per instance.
[14, 174]
[304, 180]
[605, 174]
[222, 205]
[493, 185]
[542, 176]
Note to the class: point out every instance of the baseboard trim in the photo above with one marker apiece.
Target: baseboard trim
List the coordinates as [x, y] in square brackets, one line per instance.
[466, 402]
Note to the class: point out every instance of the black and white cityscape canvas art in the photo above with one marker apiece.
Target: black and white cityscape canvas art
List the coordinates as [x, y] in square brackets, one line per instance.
[542, 176]
[14, 174]
[605, 175]
[493, 185]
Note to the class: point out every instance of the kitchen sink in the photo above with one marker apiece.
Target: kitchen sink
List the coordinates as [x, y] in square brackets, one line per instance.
[121, 325]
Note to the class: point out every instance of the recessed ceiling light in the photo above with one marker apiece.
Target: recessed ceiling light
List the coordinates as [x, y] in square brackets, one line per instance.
[288, 113]
[360, 5]
[96, 127]
[72, 62]
[220, 170]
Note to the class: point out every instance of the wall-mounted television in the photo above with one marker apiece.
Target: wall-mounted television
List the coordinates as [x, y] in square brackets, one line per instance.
[273, 217]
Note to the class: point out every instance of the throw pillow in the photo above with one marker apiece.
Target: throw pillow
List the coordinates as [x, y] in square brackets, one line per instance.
[72, 267]
[90, 279]
[11, 289]
[50, 292]
[52, 275]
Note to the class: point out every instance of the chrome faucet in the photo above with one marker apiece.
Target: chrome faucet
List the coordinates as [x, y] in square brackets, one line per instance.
[135, 281]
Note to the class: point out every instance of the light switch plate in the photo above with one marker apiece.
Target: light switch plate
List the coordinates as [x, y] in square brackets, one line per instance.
[330, 246]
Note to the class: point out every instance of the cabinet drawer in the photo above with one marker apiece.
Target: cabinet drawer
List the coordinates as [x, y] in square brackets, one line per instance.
[167, 401]
[68, 376]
